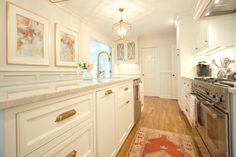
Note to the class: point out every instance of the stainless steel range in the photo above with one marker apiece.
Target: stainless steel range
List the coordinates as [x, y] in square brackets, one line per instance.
[213, 115]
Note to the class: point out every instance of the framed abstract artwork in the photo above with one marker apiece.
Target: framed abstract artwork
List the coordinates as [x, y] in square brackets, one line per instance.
[27, 37]
[66, 46]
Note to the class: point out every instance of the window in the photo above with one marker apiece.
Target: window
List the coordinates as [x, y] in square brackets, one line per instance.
[105, 66]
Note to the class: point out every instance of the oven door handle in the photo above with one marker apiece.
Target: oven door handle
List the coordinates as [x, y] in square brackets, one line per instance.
[210, 111]
[203, 100]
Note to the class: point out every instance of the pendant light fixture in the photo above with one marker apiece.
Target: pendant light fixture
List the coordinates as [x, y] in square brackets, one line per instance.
[121, 27]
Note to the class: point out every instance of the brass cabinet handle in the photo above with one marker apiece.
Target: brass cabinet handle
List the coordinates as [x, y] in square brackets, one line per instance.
[72, 154]
[127, 102]
[126, 89]
[108, 92]
[65, 115]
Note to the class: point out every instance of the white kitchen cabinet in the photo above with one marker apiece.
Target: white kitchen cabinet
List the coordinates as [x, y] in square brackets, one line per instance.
[76, 142]
[124, 113]
[106, 126]
[214, 35]
[45, 123]
[186, 85]
[127, 52]
[120, 52]
[78, 124]
[201, 36]
[48, 126]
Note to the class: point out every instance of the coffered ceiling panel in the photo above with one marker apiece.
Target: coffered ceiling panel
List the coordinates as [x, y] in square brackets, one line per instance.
[146, 16]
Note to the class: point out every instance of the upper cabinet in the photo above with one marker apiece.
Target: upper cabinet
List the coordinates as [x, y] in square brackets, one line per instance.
[201, 37]
[126, 52]
[215, 34]
[120, 52]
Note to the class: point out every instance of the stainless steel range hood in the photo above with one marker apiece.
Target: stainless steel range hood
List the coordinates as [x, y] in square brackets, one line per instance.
[206, 8]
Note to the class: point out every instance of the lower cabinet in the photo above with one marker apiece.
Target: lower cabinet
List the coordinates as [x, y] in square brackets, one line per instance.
[58, 127]
[186, 90]
[115, 118]
[77, 142]
[124, 114]
[91, 124]
[106, 142]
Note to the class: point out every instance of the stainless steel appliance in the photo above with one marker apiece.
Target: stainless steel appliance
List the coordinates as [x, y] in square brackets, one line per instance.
[213, 115]
[137, 102]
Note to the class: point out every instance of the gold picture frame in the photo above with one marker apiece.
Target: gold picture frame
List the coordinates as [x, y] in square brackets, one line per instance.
[66, 47]
[27, 37]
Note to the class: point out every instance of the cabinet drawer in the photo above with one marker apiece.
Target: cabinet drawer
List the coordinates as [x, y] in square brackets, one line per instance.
[38, 126]
[125, 89]
[77, 142]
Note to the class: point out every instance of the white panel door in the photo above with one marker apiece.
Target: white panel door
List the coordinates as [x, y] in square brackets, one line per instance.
[150, 71]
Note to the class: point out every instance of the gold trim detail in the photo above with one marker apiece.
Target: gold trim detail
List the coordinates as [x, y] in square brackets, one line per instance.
[65, 115]
[72, 154]
[108, 92]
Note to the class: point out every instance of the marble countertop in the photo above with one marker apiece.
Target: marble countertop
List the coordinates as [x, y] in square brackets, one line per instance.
[15, 95]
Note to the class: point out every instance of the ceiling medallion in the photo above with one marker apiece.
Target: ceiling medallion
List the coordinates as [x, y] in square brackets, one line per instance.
[121, 28]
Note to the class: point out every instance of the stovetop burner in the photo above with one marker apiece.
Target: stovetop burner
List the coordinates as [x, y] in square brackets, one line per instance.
[216, 81]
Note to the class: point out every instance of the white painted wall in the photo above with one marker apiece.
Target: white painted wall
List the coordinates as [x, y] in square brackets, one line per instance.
[55, 15]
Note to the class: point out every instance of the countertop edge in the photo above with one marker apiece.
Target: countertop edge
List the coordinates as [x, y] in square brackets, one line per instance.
[9, 103]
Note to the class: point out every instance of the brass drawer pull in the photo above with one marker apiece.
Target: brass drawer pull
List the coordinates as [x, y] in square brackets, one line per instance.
[108, 92]
[65, 115]
[72, 154]
[127, 102]
[126, 89]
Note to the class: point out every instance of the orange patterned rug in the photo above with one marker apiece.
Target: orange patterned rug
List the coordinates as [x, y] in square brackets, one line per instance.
[156, 143]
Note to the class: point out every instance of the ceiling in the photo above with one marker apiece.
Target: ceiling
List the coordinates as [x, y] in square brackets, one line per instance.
[146, 16]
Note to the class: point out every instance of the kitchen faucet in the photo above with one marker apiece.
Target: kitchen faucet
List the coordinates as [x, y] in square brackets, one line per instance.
[98, 62]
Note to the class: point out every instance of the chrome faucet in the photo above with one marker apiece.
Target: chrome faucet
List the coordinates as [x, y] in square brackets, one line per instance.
[98, 62]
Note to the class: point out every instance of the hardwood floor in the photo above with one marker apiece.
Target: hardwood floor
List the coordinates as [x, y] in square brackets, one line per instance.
[160, 114]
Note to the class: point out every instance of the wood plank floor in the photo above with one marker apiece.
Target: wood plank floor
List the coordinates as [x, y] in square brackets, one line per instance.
[160, 114]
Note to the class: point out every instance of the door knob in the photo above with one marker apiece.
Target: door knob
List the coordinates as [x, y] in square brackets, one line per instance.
[173, 75]
[143, 74]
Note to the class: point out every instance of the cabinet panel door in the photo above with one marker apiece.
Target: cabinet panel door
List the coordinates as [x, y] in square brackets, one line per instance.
[38, 126]
[121, 128]
[106, 142]
[132, 52]
[120, 52]
[77, 142]
[130, 115]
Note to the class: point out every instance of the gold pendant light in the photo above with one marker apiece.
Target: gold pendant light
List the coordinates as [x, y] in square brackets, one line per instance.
[121, 27]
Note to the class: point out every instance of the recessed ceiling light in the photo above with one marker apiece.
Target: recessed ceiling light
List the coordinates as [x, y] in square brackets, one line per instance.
[216, 1]
[207, 13]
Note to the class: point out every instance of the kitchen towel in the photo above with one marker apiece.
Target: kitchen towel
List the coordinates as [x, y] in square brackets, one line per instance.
[193, 102]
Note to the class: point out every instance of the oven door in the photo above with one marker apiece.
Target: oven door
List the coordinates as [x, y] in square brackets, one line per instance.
[213, 129]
